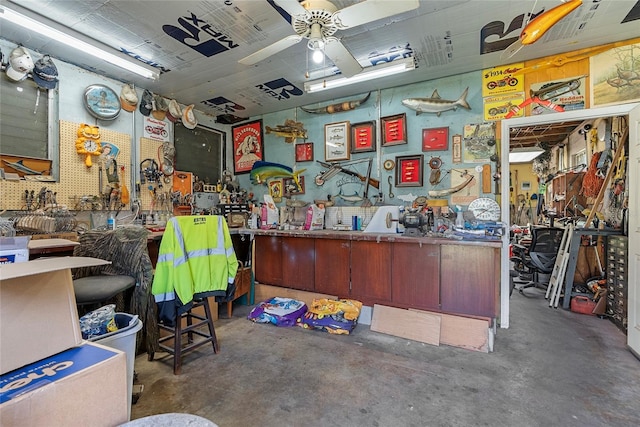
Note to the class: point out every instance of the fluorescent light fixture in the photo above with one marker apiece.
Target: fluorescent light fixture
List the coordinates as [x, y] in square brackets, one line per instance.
[79, 42]
[524, 154]
[369, 73]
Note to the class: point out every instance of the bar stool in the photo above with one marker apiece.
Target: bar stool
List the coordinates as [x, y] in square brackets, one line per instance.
[97, 290]
[176, 334]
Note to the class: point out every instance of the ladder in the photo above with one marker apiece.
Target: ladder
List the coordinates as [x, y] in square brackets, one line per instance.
[559, 268]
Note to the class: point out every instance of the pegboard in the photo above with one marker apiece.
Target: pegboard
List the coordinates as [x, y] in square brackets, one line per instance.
[76, 179]
[149, 150]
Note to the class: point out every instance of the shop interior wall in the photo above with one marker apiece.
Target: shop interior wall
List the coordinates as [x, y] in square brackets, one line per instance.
[126, 130]
[382, 103]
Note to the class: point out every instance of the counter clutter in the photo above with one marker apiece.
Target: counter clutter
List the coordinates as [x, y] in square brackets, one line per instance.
[422, 221]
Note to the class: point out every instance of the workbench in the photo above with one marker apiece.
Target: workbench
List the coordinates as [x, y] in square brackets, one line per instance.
[425, 273]
[574, 248]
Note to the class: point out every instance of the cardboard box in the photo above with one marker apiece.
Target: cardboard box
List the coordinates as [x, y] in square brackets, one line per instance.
[82, 386]
[38, 314]
[14, 249]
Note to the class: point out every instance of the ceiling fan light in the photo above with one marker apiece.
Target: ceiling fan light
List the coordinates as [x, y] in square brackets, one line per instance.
[317, 56]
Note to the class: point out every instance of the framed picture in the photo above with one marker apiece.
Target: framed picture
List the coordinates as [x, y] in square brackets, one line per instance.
[247, 145]
[304, 152]
[291, 188]
[363, 137]
[337, 141]
[409, 171]
[456, 142]
[394, 129]
[275, 190]
[435, 139]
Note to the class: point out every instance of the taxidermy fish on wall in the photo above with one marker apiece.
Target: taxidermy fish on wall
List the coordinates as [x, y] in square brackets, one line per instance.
[337, 108]
[435, 104]
[261, 172]
[290, 131]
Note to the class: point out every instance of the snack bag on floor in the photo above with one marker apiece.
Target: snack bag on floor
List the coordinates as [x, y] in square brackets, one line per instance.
[279, 311]
[333, 316]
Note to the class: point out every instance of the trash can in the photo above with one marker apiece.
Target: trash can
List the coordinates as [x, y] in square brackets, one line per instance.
[124, 339]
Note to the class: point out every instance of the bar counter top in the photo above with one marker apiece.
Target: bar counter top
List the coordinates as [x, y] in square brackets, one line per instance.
[363, 236]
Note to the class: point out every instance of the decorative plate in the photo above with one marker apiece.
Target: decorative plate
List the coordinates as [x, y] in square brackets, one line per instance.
[102, 102]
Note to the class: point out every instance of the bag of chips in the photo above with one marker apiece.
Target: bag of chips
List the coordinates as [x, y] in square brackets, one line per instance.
[333, 316]
[278, 311]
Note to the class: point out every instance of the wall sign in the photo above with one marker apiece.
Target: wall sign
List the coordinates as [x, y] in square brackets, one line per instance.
[247, 145]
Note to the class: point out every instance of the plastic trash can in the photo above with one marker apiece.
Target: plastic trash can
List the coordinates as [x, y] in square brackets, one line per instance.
[124, 339]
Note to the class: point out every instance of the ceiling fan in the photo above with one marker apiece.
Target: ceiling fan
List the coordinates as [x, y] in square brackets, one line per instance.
[318, 21]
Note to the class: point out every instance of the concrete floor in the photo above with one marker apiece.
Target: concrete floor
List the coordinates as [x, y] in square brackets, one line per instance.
[551, 368]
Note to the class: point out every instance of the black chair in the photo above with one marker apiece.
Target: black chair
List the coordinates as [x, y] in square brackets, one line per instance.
[539, 258]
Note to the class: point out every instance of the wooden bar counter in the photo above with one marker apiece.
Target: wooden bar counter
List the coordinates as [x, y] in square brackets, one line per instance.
[435, 274]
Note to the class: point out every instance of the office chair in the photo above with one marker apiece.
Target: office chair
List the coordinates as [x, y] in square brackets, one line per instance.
[196, 261]
[539, 258]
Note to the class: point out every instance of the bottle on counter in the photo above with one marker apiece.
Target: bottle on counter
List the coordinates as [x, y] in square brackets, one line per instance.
[111, 222]
[459, 218]
[263, 217]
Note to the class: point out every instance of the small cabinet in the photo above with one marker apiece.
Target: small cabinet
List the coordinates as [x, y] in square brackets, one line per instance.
[371, 271]
[416, 275]
[469, 279]
[332, 273]
[268, 262]
[298, 263]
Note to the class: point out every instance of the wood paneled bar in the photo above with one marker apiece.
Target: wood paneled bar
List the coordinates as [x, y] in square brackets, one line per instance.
[436, 274]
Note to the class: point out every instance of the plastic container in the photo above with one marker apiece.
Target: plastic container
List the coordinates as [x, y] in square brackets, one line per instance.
[582, 304]
[124, 339]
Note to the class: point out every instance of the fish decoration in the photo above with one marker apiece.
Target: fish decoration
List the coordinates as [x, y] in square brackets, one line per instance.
[337, 108]
[351, 198]
[539, 25]
[291, 130]
[435, 104]
[261, 172]
[21, 167]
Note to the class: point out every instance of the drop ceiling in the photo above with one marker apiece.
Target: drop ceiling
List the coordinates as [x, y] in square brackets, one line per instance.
[444, 37]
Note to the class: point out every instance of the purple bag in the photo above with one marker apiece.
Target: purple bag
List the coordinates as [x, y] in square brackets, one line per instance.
[279, 311]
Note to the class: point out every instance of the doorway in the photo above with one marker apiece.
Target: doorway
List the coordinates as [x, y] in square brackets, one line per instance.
[633, 113]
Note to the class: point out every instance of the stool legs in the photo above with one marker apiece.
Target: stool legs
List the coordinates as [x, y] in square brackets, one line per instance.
[191, 330]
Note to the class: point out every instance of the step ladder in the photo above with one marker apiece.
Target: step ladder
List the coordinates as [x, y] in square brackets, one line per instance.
[559, 268]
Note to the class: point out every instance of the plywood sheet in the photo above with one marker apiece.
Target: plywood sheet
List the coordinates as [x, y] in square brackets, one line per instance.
[464, 332]
[410, 324]
[265, 292]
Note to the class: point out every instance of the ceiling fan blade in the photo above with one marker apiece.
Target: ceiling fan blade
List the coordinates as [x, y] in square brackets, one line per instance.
[371, 10]
[272, 49]
[341, 57]
[292, 7]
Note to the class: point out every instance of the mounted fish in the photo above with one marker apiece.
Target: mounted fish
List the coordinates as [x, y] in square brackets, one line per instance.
[350, 198]
[337, 108]
[21, 167]
[539, 25]
[291, 130]
[435, 104]
[261, 172]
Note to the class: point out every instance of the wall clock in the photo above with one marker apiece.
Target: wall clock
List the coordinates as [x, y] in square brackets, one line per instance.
[485, 209]
[102, 102]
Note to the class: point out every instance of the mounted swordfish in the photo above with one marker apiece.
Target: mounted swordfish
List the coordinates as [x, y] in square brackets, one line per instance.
[435, 104]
